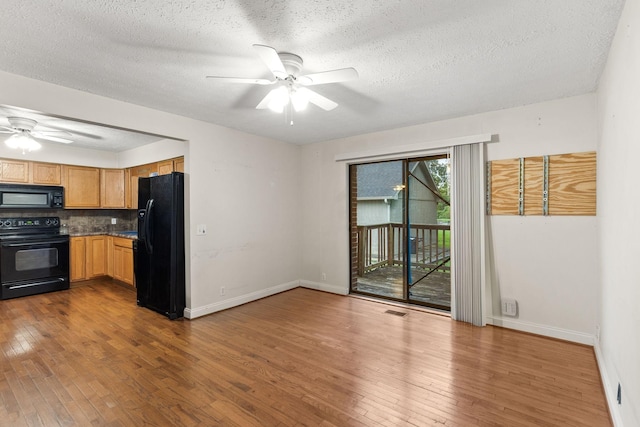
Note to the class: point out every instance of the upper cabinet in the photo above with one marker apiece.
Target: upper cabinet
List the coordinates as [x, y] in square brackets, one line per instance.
[88, 187]
[22, 172]
[172, 165]
[112, 188]
[165, 167]
[81, 186]
[14, 171]
[46, 173]
[141, 171]
[178, 164]
[160, 168]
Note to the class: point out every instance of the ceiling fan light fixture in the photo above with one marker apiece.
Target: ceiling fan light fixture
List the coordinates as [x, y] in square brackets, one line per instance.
[299, 99]
[22, 141]
[279, 99]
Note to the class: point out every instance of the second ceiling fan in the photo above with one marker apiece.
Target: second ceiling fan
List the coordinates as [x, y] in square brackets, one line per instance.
[292, 88]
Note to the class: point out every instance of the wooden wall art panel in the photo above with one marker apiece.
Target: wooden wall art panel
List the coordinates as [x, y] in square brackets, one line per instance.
[505, 175]
[571, 181]
[572, 184]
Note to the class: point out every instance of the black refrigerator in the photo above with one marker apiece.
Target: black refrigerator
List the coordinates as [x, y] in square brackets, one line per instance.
[159, 249]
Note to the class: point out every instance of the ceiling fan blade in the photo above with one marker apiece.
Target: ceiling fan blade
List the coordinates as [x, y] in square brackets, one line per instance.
[270, 57]
[319, 100]
[41, 135]
[51, 132]
[263, 82]
[333, 76]
[7, 129]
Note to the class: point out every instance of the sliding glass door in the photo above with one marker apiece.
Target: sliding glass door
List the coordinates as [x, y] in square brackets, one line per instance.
[399, 223]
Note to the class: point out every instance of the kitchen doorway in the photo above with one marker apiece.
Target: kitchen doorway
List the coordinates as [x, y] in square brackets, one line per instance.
[400, 230]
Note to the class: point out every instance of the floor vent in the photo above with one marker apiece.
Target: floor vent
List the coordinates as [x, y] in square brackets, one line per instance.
[396, 313]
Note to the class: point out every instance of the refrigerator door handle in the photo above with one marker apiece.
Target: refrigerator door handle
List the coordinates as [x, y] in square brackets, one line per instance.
[147, 227]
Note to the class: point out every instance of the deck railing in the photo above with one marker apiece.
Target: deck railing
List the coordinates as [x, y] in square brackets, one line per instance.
[384, 245]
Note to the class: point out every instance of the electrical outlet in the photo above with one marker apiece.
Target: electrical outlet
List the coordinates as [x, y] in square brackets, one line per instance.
[114, 221]
[222, 290]
[597, 332]
[201, 230]
[324, 277]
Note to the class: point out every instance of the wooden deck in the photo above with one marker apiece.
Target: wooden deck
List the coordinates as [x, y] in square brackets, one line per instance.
[387, 282]
[90, 357]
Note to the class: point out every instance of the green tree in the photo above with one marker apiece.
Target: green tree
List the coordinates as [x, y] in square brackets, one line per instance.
[439, 170]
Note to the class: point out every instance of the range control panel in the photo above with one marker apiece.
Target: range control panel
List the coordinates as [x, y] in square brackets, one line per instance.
[29, 223]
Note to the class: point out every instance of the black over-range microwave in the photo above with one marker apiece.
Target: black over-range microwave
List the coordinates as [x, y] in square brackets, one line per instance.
[17, 196]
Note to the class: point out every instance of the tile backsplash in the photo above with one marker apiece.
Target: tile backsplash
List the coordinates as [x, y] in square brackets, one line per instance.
[80, 221]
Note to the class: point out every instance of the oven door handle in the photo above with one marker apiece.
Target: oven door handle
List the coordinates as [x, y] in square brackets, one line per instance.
[30, 285]
[47, 242]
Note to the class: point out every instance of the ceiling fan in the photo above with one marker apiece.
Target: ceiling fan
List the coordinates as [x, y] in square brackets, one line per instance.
[292, 88]
[19, 125]
[23, 132]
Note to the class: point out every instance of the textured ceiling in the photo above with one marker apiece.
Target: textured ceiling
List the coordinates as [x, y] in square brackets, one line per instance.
[418, 60]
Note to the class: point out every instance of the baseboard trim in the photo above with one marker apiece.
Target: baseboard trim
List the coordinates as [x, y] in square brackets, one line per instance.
[192, 313]
[545, 330]
[609, 392]
[334, 289]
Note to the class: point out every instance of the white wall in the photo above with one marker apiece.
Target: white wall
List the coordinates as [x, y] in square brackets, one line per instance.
[549, 264]
[58, 153]
[243, 187]
[160, 150]
[64, 154]
[619, 219]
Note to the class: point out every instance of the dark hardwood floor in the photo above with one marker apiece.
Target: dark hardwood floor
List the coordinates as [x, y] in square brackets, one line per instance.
[90, 356]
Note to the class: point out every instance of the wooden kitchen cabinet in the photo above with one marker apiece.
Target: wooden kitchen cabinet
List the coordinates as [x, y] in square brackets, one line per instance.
[81, 186]
[123, 260]
[178, 164]
[14, 171]
[135, 173]
[96, 256]
[46, 173]
[112, 188]
[172, 165]
[110, 256]
[88, 257]
[165, 167]
[78, 259]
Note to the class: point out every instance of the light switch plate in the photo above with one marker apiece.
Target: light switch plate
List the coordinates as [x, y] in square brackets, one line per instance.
[201, 230]
[509, 307]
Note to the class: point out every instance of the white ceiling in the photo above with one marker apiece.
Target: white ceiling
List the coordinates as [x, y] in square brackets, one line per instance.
[83, 135]
[418, 60]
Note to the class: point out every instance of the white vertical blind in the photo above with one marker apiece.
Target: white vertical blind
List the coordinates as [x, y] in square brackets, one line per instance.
[467, 233]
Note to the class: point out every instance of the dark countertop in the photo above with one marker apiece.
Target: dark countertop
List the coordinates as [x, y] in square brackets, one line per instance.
[124, 234]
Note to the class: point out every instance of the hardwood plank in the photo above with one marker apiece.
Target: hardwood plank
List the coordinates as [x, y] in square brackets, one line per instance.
[90, 356]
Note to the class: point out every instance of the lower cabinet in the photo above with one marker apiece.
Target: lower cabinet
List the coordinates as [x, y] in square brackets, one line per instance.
[78, 259]
[123, 260]
[95, 256]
